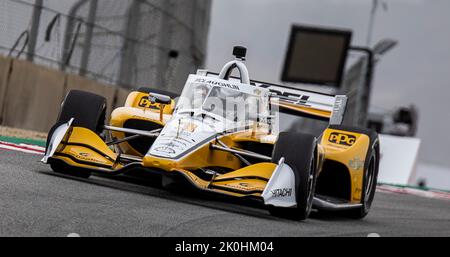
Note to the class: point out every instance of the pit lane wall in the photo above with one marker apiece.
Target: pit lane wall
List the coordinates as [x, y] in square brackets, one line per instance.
[31, 95]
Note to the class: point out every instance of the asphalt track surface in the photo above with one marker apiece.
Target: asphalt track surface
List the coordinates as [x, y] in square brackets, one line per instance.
[34, 201]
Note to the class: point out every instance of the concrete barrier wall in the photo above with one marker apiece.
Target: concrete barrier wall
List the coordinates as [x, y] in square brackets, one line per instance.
[5, 65]
[121, 97]
[31, 95]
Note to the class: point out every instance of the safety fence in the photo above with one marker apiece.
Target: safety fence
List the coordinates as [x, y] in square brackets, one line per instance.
[118, 42]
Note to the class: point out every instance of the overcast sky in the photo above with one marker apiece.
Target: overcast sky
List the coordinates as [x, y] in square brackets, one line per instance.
[416, 72]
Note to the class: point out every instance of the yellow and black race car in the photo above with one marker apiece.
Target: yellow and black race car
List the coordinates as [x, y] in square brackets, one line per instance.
[226, 135]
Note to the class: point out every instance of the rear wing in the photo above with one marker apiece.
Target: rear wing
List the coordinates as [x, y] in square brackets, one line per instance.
[302, 102]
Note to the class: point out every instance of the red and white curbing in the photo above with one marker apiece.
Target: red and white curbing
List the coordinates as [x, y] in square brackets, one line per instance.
[33, 149]
[414, 191]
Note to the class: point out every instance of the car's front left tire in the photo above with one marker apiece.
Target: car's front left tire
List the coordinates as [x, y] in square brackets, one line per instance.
[88, 111]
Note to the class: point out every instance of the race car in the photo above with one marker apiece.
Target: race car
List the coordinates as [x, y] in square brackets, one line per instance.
[224, 135]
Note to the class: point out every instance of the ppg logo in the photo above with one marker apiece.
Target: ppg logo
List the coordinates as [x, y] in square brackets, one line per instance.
[342, 139]
[146, 103]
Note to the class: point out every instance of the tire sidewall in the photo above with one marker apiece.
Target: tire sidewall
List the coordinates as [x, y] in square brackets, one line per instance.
[87, 109]
[302, 161]
[366, 200]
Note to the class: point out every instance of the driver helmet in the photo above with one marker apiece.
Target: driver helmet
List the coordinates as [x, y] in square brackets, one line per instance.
[200, 92]
[233, 99]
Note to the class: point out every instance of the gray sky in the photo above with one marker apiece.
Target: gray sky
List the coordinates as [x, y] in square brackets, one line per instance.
[416, 72]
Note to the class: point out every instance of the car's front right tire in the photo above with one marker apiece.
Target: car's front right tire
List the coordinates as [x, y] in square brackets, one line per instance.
[300, 153]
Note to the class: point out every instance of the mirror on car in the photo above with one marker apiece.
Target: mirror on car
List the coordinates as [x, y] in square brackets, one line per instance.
[159, 99]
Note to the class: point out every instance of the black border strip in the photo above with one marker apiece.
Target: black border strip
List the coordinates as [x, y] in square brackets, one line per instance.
[238, 178]
[301, 113]
[235, 190]
[83, 162]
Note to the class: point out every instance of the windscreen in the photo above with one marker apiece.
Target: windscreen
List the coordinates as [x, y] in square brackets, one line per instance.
[224, 102]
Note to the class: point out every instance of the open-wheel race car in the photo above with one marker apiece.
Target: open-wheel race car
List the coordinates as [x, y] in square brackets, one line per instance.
[224, 135]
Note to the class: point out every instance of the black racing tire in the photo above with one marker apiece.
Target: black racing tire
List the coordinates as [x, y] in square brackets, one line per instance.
[369, 184]
[300, 153]
[87, 109]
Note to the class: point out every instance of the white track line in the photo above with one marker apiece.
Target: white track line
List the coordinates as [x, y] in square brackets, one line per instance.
[32, 149]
